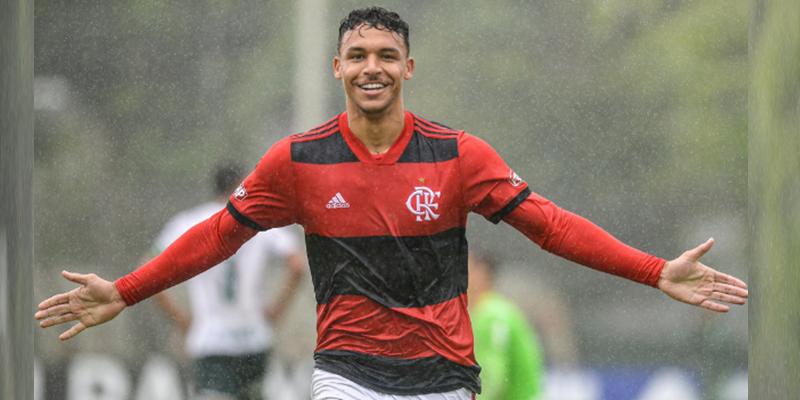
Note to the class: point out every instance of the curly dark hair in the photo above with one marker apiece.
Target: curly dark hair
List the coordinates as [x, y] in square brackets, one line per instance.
[374, 17]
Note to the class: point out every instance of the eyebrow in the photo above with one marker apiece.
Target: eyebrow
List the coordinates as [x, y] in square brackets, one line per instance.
[382, 50]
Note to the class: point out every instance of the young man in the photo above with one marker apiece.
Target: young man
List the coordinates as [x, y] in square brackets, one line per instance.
[229, 330]
[383, 196]
[505, 345]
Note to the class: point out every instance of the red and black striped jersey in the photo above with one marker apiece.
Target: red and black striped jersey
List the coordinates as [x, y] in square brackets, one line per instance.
[386, 244]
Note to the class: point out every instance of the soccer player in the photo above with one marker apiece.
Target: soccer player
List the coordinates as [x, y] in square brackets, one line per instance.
[229, 331]
[383, 196]
[505, 345]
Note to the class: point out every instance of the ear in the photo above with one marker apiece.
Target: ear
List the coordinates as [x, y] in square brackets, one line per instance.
[409, 68]
[337, 68]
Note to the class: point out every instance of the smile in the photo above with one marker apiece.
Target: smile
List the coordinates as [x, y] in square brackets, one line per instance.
[372, 86]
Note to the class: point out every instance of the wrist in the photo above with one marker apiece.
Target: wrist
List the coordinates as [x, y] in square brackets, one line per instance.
[662, 276]
[116, 298]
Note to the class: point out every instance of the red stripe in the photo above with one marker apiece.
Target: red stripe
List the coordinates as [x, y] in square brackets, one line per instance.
[307, 137]
[356, 323]
[435, 127]
[435, 135]
[431, 131]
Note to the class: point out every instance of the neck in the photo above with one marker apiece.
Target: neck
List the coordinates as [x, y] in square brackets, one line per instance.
[379, 131]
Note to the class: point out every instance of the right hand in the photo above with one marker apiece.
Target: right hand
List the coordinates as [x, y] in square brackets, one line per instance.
[96, 301]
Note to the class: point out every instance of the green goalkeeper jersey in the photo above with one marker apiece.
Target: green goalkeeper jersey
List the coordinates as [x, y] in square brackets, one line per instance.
[506, 349]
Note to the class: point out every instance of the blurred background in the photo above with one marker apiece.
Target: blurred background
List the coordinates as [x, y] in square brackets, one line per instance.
[632, 114]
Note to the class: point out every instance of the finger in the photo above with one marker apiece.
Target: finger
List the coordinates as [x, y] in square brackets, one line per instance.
[76, 329]
[727, 298]
[699, 251]
[58, 320]
[81, 279]
[730, 289]
[52, 311]
[725, 278]
[716, 307]
[54, 300]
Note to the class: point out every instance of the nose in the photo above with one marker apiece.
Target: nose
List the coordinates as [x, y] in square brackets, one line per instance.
[372, 66]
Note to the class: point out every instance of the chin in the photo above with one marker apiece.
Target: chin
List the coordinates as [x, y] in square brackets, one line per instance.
[373, 109]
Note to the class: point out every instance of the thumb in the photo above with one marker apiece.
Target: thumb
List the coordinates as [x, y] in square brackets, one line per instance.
[75, 277]
[699, 251]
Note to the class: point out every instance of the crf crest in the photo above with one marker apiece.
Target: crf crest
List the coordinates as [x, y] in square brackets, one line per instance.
[423, 203]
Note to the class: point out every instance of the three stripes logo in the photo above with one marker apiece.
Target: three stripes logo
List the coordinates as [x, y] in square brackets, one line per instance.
[337, 201]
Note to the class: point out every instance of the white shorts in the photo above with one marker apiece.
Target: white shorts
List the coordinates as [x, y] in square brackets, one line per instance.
[329, 386]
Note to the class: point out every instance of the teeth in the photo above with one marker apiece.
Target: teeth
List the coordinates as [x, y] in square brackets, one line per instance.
[370, 86]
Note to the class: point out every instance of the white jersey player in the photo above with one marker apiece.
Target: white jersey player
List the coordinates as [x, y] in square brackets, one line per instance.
[229, 330]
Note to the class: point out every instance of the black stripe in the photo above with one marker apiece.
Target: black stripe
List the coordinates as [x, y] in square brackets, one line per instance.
[498, 216]
[409, 271]
[243, 219]
[398, 376]
[309, 136]
[331, 149]
[434, 124]
[425, 149]
[432, 131]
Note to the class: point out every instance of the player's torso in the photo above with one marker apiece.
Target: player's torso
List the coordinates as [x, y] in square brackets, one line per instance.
[389, 230]
[387, 250]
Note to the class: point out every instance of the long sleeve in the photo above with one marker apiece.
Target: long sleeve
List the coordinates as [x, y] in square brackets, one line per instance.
[577, 239]
[200, 248]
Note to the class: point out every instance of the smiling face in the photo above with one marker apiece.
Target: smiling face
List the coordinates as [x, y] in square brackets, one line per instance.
[372, 64]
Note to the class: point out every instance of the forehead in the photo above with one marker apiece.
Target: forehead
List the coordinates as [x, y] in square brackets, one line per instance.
[368, 37]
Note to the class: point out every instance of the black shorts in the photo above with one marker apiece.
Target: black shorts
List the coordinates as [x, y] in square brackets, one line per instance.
[239, 376]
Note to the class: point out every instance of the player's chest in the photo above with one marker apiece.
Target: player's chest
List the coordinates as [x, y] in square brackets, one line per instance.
[356, 199]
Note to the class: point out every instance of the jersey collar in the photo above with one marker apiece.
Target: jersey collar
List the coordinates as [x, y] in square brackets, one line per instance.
[361, 151]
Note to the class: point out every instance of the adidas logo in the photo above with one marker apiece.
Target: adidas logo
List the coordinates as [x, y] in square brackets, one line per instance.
[337, 201]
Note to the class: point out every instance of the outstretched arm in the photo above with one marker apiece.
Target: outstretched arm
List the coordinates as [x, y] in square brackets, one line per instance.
[97, 300]
[573, 237]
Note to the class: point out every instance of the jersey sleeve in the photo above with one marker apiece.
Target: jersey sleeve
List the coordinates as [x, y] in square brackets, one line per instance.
[266, 198]
[204, 245]
[490, 187]
[577, 239]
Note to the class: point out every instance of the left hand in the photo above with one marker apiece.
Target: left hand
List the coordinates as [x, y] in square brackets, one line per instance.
[688, 280]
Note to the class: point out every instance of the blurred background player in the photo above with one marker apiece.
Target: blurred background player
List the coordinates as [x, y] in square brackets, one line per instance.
[506, 347]
[229, 331]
